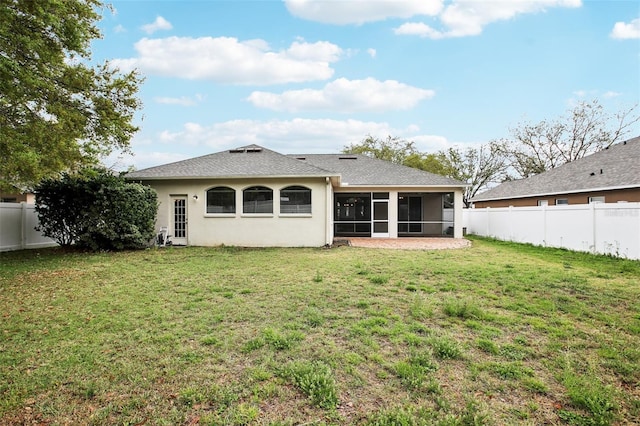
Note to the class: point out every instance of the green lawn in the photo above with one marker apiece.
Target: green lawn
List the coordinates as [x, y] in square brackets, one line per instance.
[498, 333]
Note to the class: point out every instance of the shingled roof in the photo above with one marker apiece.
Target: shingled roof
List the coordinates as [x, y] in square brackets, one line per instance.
[256, 161]
[361, 170]
[617, 167]
[247, 161]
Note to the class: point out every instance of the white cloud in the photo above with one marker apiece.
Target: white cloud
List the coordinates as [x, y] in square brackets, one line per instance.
[181, 101]
[372, 52]
[611, 94]
[622, 30]
[119, 29]
[159, 24]
[342, 12]
[296, 136]
[468, 17]
[417, 29]
[286, 136]
[228, 60]
[344, 95]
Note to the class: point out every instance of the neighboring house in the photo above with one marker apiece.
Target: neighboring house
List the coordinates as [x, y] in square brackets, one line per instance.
[17, 196]
[252, 196]
[608, 176]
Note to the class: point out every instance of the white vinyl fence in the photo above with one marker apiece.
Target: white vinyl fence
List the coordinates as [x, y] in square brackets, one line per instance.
[612, 229]
[17, 228]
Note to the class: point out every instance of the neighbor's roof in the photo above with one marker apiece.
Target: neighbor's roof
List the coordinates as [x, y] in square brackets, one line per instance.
[248, 161]
[361, 170]
[255, 161]
[616, 167]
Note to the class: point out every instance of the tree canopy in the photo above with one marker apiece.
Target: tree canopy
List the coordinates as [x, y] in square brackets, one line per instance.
[531, 149]
[57, 111]
[583, 130]
[479, 167]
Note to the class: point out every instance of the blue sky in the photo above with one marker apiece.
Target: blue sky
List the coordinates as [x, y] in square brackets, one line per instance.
[306, 76]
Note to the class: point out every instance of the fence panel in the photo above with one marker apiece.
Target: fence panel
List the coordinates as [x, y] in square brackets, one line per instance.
[612, 229]
[17, 228]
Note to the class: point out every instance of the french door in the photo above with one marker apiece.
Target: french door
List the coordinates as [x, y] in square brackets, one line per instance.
[179, 220]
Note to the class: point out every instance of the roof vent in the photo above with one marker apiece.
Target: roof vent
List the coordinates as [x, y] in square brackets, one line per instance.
[301, 158]
[246, 149]
[347, 158]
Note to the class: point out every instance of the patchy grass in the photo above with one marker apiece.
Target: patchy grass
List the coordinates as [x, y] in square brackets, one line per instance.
[499, 333]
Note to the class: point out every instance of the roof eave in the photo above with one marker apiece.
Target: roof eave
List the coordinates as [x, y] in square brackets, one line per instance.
[398, 185]
[156, 178]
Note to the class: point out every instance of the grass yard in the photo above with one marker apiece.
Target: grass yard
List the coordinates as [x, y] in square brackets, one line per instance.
[495, 334]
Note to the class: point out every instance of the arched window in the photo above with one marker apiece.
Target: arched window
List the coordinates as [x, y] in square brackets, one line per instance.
[295, 199]
[257, 199]
[221, 199]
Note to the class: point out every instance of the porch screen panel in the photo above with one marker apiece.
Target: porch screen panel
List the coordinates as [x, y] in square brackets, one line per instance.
[352, 214]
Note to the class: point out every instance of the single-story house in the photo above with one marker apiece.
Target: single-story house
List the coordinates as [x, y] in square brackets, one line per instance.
[255, 197]
[608, 176]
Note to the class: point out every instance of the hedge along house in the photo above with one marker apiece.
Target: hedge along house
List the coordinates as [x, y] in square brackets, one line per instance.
[254, 197]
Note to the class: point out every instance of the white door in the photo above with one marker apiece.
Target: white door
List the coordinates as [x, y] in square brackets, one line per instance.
[380, 219]
[179, 220]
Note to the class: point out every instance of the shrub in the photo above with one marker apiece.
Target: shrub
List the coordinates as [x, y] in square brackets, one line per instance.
[97, 210]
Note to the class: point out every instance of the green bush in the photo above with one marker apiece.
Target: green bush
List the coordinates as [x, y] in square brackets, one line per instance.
[96, 209]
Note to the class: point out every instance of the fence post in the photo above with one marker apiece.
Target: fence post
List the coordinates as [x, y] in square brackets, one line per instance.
[23, 225]
[488, 221]
[544, 225]
[595, 226]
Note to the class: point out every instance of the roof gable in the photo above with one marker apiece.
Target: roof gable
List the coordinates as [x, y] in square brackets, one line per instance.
[615, 167]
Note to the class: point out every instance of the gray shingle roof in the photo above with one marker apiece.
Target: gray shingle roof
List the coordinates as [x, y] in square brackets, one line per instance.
[357, 169]
[615, 167]
[249, 161]
[255, 161]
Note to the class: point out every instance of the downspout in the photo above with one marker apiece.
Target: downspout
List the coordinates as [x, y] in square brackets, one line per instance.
[329, 212]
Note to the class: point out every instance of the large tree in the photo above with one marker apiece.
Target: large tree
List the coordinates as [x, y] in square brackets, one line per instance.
[585, 129]
[392, 149]
[58, 112]
[480, 167]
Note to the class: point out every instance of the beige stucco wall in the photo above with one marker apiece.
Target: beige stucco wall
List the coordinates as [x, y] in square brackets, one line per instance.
[246, 230]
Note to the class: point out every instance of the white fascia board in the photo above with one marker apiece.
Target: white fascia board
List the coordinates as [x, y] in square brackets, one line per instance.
[155, 178]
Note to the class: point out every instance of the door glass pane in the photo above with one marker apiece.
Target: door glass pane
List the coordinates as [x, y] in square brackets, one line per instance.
[380, 211]
[180, 218]
[381, 227]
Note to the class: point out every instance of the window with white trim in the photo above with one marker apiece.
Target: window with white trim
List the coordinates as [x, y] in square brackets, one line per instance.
[596, 199]
[257, 199]
[562, 201]
[295, 200]
[221, 199]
